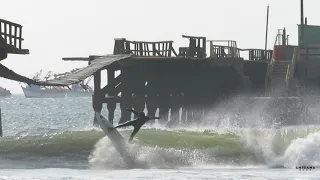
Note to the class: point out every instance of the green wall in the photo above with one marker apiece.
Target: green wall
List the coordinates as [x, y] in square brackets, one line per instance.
[311, 34]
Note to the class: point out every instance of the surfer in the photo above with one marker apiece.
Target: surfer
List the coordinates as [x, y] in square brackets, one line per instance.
[137, 123]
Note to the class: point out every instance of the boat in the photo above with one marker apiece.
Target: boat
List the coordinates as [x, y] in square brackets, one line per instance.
[4, 92]
[81, 89]
[36, 91]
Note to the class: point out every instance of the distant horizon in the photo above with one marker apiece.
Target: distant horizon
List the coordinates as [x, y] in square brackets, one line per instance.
[22, 93]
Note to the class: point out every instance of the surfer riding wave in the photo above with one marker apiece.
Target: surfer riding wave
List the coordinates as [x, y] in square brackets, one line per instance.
[137, 123]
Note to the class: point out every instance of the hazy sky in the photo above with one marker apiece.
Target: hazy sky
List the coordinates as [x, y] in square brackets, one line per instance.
[71, 28]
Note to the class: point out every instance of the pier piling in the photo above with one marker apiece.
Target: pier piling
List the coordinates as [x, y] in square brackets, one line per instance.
[111, 105]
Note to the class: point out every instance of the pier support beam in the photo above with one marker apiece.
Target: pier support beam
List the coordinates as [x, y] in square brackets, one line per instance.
[164, 107]
[151, 105]
[152, 95]
[96, 99]
[188, 109]
[139, 89]
[126, 96]
[183, 109]
[175, 106]
[138, 103]
[111, 105]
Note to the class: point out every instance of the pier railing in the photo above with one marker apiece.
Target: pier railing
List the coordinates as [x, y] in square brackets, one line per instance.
[11, 34]
[224, 51]
[259, 54]
[230, 50]
[143, 48]
[268, 74]
[291, 68]
[197, 47]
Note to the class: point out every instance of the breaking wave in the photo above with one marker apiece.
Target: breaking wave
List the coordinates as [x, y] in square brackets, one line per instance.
[273, 148]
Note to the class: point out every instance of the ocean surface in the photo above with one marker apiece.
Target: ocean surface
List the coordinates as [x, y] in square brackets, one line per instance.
[55, 139]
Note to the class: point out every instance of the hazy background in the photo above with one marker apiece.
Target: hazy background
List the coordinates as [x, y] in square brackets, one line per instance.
[56, 29]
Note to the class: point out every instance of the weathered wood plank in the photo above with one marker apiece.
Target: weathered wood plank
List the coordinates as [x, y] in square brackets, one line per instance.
[9, 74]
[96, 65]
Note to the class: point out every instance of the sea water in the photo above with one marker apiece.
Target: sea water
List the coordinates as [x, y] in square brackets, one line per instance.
[56, 139]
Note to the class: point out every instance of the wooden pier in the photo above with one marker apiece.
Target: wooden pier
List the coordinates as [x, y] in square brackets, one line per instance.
[11, 43]
[153, 76]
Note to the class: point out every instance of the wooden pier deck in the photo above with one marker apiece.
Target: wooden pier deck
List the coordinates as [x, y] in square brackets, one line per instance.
[154, 77]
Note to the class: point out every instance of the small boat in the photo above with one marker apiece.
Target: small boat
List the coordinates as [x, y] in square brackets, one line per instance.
[4, 92]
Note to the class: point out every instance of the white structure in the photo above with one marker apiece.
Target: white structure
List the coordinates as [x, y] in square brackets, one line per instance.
[35, 91]
[79, 91]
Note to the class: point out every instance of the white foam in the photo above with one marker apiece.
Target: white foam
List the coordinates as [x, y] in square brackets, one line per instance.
[104, 155]
[303, 151]
[300, 152]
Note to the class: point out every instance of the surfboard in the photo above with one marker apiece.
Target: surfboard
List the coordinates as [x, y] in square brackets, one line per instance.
[119, 142]
[116, 138]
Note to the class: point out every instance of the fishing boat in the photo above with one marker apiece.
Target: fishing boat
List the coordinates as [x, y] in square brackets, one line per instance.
[81, 89]
[36, 91]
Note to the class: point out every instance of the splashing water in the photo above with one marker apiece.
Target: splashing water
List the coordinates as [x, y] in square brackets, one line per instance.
[235, 134]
